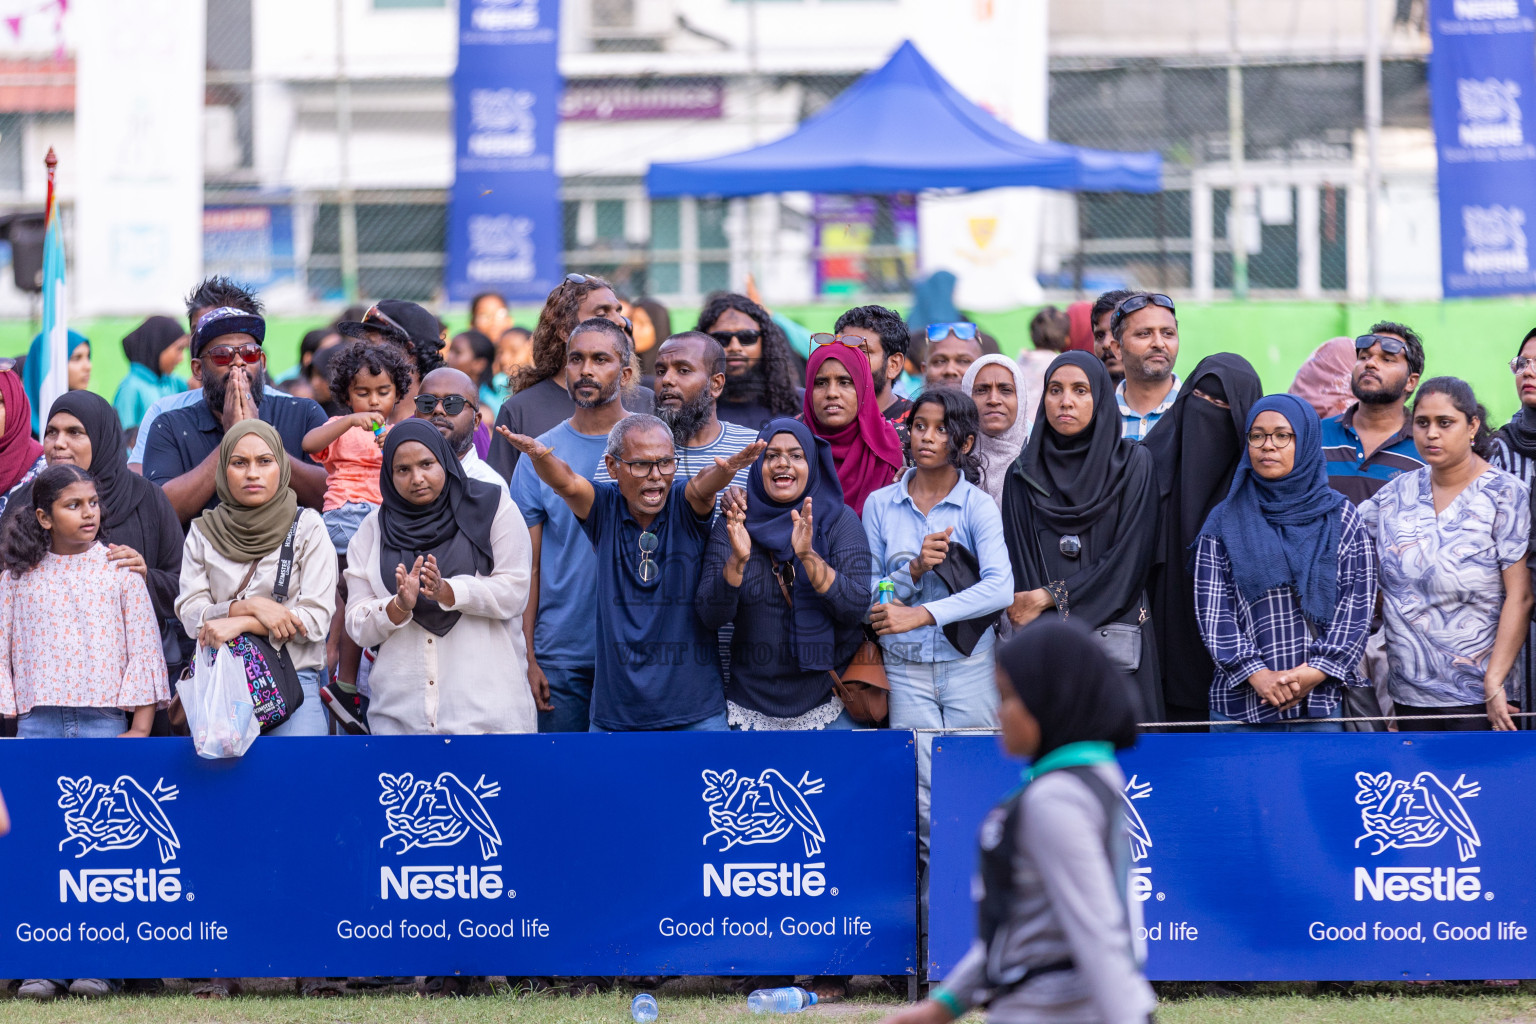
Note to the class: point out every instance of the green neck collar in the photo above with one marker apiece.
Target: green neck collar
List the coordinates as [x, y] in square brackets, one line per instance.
[1072, 755]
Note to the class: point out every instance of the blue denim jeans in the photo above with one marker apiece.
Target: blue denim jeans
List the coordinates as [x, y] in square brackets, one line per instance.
[1296, 725]
[570, 691]
[309, 720]
[714, 723]
[54, 723]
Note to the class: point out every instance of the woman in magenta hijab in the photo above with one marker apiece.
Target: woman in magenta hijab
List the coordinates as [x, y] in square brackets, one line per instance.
[840, 406]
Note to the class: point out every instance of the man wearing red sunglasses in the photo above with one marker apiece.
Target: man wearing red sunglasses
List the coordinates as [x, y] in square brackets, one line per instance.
[182, 452]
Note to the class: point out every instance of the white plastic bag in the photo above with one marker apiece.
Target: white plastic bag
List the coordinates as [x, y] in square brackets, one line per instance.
[218, 704]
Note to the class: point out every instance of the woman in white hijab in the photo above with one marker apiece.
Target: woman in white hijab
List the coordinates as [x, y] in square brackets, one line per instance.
[997, 386]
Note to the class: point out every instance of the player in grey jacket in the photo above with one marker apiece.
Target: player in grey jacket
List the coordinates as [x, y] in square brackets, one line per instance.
[1056, 933]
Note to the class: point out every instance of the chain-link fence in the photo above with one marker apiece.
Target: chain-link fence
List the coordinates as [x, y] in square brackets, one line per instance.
[328, 156]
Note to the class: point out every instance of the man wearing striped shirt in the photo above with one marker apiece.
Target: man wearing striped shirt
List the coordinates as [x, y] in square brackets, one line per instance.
[1367, 445]
[1146, 333]
[1372, 441]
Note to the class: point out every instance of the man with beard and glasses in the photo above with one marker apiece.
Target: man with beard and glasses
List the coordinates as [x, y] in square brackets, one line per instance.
[450, 401]
[1371, 442]
[182, 453]
[562, 603]
[690, 377]
[1367, 445]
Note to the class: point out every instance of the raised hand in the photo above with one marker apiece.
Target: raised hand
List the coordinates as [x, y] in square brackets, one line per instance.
[742, 459]
[527, 445]
[736, 530]
[935, 550]
[800, 536]
[408, 583]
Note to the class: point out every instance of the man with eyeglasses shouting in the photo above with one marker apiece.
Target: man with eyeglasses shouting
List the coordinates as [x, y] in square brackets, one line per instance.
[1145, 330]
[562, 604]
[657, 666]
[450, 401]
[182, 452]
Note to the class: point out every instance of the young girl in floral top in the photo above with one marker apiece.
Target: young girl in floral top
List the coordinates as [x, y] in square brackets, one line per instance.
[79, 644]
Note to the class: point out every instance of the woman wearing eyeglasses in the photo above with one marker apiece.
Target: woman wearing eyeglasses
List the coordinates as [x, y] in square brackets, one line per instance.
[434, 578]
[1456, 592]
[1285, 581]
[1080, 521]
[1514, 451]
[790, 567]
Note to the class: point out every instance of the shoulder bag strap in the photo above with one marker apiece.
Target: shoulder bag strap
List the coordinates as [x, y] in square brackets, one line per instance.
[285, 560]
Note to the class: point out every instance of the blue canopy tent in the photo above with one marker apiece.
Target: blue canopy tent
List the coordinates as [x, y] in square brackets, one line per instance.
[903, 128]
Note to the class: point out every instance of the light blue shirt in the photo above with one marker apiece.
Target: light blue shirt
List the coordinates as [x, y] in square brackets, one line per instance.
[180, 400]
[896, 529]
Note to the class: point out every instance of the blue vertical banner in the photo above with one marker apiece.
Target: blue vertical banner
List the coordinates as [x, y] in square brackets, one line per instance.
[1482, 80]
[504, 214]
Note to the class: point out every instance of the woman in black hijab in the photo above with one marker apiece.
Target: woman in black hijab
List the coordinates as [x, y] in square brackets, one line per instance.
[1053, 856]
[1195, 448]
[1080, 521]
[435, 579]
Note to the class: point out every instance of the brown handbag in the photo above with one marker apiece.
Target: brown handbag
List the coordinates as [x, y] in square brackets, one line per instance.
[863, 687]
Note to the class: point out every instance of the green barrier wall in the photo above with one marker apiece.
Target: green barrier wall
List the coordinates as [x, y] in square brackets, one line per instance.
[1472, 339]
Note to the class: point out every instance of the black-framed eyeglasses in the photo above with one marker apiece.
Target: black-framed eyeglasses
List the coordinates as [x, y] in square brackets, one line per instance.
[647, 569]
[1390, 345]
[575, 279]
[963, 331]
[1132, 303]
[452, 404]
[746, 338]
[1520, 364]
[1278, 438]
[641, 468]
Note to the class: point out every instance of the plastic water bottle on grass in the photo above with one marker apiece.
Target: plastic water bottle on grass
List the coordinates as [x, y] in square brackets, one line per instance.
[643, 1008]
[791, 999]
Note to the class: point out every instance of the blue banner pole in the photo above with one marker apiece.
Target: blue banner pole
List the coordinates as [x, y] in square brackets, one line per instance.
[1482, 83]
[504, 224]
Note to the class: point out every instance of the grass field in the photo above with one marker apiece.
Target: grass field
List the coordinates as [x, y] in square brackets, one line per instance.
[270, 1004]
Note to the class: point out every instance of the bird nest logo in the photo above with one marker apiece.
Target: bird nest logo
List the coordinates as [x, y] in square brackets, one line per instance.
[116, 817]
[1400, 815]
[746, 810]
[1141, 839]
[423, 814]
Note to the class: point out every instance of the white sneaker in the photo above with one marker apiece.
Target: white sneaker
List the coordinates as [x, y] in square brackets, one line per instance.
[38, 988]
[90, 988]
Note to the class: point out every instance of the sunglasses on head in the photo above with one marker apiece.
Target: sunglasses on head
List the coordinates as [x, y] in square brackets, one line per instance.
[223, 355]
[452, 404]
[847, 340]
[1135, 302]
[963, 331]
[1391, 346]
[745, 337]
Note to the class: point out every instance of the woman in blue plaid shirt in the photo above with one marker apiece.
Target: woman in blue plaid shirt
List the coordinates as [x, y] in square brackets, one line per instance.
[1285, 581]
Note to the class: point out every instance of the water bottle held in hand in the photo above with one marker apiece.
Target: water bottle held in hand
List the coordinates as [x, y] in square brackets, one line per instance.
[643, 1008]
[780, 1000]
[887, 594]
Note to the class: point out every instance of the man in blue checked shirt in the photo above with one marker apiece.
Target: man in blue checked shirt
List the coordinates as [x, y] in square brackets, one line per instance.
[1285, 582]
[1145, 332]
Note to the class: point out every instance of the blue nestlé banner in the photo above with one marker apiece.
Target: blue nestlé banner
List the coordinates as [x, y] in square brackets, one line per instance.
[504, 228]
[1360, 856]
[674, 853]
[1482, 80]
